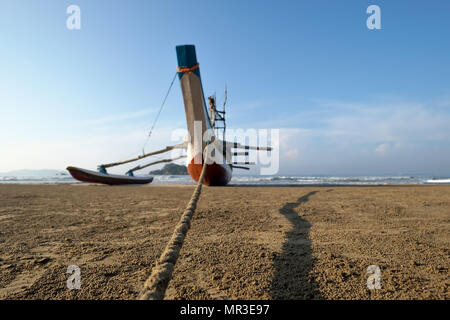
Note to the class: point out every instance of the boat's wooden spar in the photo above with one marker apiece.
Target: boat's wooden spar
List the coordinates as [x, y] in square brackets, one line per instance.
[140, 167]
[167, 149]
[239, 167]
[237, 145]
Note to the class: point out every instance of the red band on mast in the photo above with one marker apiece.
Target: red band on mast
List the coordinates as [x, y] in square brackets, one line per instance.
[187, 69]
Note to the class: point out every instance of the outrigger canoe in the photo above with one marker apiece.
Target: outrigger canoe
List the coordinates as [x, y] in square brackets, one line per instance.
[106, 178]
[212, 122]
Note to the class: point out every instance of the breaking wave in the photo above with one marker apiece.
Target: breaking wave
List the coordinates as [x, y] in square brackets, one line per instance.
[254, 180]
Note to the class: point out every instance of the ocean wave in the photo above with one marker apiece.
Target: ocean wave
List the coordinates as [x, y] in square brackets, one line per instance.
[438, 181]
[252, 180]
[327, 180]
[38, 180]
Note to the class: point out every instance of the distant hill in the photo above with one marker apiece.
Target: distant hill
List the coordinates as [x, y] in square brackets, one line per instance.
[171, 169]
[33, 173]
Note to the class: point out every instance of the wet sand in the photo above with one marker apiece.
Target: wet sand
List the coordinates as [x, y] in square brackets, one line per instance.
[244, 242]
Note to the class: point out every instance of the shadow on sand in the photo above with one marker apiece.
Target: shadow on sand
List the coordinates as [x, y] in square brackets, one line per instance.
[292, 266]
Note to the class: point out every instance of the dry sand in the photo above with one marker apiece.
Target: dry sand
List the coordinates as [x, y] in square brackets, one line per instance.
[244, 242]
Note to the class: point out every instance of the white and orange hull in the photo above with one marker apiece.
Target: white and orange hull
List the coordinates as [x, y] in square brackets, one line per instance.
[198, 122]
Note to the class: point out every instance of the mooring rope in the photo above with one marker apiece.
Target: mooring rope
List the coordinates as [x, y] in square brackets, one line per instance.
[155, 286]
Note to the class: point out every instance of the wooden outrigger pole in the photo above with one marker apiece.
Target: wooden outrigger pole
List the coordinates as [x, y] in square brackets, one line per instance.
[140, 167]
[167, 149]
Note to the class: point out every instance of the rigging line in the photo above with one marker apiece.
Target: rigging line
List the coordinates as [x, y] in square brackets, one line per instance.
[159, 112]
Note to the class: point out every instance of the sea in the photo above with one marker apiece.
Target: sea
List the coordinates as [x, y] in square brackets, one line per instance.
[277, 180]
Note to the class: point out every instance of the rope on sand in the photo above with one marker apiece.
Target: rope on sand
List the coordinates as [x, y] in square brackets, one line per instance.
[155, 286]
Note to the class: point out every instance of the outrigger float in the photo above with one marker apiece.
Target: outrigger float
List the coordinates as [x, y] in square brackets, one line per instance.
[91, 176]
[211, 121]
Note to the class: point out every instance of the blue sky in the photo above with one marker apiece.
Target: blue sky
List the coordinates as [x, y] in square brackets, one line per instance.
[347, 99]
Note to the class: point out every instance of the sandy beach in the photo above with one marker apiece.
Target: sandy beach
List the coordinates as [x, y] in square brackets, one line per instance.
[244, 242]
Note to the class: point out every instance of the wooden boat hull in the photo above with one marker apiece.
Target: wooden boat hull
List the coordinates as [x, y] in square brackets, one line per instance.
[90, 176]
[215, 175]
[198, 121]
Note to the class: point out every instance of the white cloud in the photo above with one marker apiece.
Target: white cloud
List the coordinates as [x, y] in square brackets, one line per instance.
[292, 153]
[382, 149]
[111, 118]
[369, 138]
